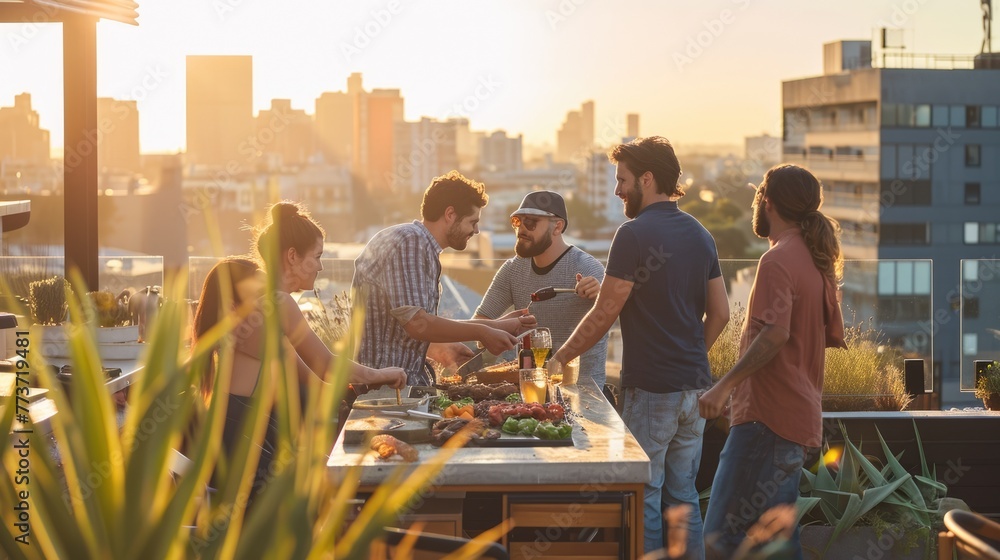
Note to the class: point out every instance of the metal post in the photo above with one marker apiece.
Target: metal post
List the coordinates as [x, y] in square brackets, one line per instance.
[80, 148]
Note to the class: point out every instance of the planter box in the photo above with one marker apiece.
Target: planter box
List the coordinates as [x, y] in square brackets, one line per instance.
[113, 343]
[42, 334]
[896, 542]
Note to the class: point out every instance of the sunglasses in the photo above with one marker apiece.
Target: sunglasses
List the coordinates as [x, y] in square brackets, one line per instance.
[529, 223]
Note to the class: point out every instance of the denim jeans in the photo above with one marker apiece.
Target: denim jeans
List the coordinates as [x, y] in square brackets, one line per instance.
[669, 429]
[758, 470]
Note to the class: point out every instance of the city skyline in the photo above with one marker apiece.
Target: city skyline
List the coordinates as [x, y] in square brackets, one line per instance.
[705, 74]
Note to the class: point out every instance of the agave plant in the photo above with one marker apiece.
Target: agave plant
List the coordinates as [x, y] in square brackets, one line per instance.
[859, 491]
[110, 492]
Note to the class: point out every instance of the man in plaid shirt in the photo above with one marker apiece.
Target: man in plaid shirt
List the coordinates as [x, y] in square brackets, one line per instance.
[397, 276]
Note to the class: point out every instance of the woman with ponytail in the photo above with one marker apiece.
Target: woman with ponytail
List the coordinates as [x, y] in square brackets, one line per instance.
[290, 244]
[776, 385]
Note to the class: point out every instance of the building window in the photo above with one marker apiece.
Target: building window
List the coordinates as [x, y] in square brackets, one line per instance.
[971, 233]
[903, 234]
[972, 155]
[923, 116]
[989, 116]
[901, 192]
[972, 116]
[904, 278]
[972, 194]
[888, 114]
[939, 116]
[970, 307]
[957, 118]
[981, 233]
[904, 115]
[970, 344]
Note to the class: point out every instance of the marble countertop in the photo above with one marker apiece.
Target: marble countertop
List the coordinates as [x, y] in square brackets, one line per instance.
[603, 453]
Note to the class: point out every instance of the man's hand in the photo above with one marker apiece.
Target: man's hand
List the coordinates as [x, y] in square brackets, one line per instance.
[392, 376]
[516, 322]
[449, 354]
[587, 287]
[497, 341]
[714, 401]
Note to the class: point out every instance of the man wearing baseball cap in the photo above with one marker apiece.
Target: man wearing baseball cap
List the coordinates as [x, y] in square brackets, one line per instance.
[545, 259]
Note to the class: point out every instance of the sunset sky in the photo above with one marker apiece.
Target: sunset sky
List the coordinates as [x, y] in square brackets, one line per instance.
[705, 72]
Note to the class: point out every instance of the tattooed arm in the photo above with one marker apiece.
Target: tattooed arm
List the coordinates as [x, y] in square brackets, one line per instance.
[764, 347]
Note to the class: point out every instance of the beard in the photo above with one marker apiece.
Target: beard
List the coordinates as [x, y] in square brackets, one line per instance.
[457, 239]
[527, 249]
[633, 202]
[761, 225]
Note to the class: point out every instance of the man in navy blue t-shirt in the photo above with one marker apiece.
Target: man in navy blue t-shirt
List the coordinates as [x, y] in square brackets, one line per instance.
[663, 279]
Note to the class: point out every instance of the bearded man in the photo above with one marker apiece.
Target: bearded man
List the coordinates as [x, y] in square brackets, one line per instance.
[398, 274]
[545, 259]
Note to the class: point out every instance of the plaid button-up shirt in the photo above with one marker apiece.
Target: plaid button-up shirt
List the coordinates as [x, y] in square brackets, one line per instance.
[399, 267]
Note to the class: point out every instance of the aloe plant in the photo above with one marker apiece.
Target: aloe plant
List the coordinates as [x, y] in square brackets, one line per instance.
[858, 491]
[113, 494]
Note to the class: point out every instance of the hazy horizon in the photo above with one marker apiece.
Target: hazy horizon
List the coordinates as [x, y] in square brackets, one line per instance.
[705, 74]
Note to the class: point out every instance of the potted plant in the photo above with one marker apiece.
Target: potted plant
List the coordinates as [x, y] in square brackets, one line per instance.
[47, 301]
[988, 386]
[852, 508]
[111, 315]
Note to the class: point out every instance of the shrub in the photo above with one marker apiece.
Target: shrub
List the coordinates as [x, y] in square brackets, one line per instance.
[862, 377]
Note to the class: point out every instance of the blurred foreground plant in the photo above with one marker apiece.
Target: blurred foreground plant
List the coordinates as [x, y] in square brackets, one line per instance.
[112, 492]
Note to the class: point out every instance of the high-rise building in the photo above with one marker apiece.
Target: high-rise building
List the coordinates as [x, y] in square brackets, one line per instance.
[22, 140]
[467, 144]
[381, 110]
[285, 136]
[220, 111]
[423, 150]
[910, 162]
[576, 136]
[335, 127]
[498, 152]
[118, 136]
[632, 125]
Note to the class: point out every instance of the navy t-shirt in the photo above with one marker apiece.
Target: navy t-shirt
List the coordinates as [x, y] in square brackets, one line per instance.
[670, 257]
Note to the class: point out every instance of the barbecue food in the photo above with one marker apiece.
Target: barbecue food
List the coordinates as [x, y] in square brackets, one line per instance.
[386, 446]
[551, 412]
[480, 392]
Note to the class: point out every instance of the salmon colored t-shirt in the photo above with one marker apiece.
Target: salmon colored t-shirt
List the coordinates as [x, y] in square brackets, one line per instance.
[785, 394]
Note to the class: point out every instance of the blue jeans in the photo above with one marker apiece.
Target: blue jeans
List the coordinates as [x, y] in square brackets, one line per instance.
[669, 429]
[758, 470]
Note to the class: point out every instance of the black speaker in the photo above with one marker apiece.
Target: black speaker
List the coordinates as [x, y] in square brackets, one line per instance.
[913, 375]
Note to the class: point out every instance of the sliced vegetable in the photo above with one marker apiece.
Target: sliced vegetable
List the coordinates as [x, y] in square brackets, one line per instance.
[548, 430]
[510, 426]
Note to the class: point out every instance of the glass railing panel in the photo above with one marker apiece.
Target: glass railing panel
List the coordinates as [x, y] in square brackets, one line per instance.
[980, 316]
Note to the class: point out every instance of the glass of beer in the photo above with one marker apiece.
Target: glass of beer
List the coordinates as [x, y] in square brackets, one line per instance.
[533, 385]
[541, 345]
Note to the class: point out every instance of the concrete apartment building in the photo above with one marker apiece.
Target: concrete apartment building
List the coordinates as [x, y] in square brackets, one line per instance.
[910, 162]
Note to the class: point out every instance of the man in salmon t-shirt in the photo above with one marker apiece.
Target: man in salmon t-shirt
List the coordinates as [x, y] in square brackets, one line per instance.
[777, 383]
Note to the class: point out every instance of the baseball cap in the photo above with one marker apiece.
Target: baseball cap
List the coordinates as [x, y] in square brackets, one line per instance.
[542, 203]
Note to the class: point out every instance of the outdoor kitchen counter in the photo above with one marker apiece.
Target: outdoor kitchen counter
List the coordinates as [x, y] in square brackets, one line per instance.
[603, 453]
[598, 482]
